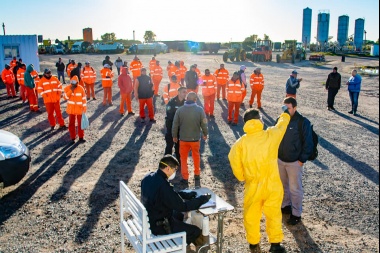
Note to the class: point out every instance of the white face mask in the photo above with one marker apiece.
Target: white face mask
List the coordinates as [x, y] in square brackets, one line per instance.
[172, 176]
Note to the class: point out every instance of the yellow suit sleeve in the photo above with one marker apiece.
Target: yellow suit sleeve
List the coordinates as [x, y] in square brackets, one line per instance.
[235, 161]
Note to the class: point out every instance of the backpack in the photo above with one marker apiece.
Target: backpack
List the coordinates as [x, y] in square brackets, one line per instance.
[314, 154]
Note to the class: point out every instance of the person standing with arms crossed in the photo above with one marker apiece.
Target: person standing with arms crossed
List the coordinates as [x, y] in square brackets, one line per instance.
[60, 70]
[222, 77]
[333, 83]
[189, 121]
[257, 86]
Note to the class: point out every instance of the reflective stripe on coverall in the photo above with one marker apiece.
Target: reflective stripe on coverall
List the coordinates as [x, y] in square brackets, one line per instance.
[253, 159]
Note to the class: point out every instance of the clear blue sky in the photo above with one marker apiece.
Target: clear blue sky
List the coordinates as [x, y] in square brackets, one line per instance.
[199, 20]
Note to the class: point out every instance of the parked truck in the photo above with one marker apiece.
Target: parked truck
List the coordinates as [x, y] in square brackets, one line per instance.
[76, 48]
[211, 47]
[148, 48]
[109, 48]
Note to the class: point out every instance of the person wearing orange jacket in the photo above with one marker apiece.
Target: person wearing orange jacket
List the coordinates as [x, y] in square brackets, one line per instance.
[222, 76]
[13, 63]
[257, 86]
[171, 90]
[208, 92]
[9, 80]
[152, 64]
[89, 79]
[76, 106]
[135, 67]
[20, 80]
[107, 76]
[124, 82]
[168, 68]
[235, 91]
[182, 70]
[70, 67]
[50, 88]
[156, 75]
[36, 77]
[30, 85]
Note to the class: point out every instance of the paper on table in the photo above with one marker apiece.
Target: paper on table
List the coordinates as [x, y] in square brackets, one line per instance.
[202, 191]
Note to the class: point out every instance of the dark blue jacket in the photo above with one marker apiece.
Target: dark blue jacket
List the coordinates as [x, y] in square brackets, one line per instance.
[292, 84]
[160, 199]
[292, 148]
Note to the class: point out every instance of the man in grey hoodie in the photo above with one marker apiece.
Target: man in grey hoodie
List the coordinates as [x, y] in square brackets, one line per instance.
[189, 121]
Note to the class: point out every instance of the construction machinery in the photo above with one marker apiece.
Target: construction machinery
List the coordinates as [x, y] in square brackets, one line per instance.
[261, 52]
[292, 51]
[211, 47]
[236, 52]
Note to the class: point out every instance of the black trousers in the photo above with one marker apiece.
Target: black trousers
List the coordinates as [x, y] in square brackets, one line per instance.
[177, 225]
[331, 96]
[170, 144]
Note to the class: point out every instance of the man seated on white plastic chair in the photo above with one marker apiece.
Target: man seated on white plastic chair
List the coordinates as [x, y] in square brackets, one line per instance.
[165, 206]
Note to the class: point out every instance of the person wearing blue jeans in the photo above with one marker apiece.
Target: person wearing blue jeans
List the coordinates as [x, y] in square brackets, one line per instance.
[60, 70]
[354, 86]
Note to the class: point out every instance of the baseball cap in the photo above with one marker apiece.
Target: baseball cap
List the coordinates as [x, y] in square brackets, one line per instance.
[242, 67]
[294, 72]
[46, 71]
[258, 68]
[87, 62]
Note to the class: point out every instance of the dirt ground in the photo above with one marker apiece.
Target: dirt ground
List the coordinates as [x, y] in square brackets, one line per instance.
[69, 200]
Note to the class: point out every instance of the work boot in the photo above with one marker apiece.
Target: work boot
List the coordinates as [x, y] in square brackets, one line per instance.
[286, 210]
[255, 248]
[294, 220]
[351, 112]
[197, 181]
[277, 248]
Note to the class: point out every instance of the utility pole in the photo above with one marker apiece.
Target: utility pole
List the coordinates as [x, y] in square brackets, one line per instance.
[134, 35]
[3, 28]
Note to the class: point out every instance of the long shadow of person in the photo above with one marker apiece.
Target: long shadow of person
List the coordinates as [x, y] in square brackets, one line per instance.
[106, 191]
[14, 200]
[85, 162]
[361, 167]
[219, 162]
[305, 242]
[372, 129]
[236, 130]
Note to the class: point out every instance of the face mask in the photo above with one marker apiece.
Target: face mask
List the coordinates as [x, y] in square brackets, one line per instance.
[172, 176]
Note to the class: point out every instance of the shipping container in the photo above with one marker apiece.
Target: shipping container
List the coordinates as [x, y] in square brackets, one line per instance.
[19, 46]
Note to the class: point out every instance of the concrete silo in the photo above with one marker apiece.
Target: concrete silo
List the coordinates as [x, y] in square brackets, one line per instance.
[323, 27]
[343, 23]
[306, 26]
[359, 34]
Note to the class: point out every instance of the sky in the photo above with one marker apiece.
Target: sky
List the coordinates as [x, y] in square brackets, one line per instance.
[197, 20]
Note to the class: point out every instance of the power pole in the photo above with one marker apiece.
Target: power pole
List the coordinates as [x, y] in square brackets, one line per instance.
[3, 28]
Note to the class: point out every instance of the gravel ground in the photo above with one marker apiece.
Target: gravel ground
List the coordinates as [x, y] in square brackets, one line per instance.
[68, 201]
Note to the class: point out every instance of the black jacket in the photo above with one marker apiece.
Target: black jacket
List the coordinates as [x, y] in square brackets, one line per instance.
[60, 66]
[145, 89]
[292, 148]
[334, 81]
[191, 80]
[171, 109]
[160, 199]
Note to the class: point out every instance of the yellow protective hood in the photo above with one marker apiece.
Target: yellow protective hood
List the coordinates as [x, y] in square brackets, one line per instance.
[253, 126]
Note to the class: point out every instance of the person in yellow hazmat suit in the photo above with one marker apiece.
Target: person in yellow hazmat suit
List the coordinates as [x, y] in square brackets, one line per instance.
[253, 160]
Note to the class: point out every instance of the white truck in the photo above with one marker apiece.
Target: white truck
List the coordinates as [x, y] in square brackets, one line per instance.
[107, 48]
[147, 48]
